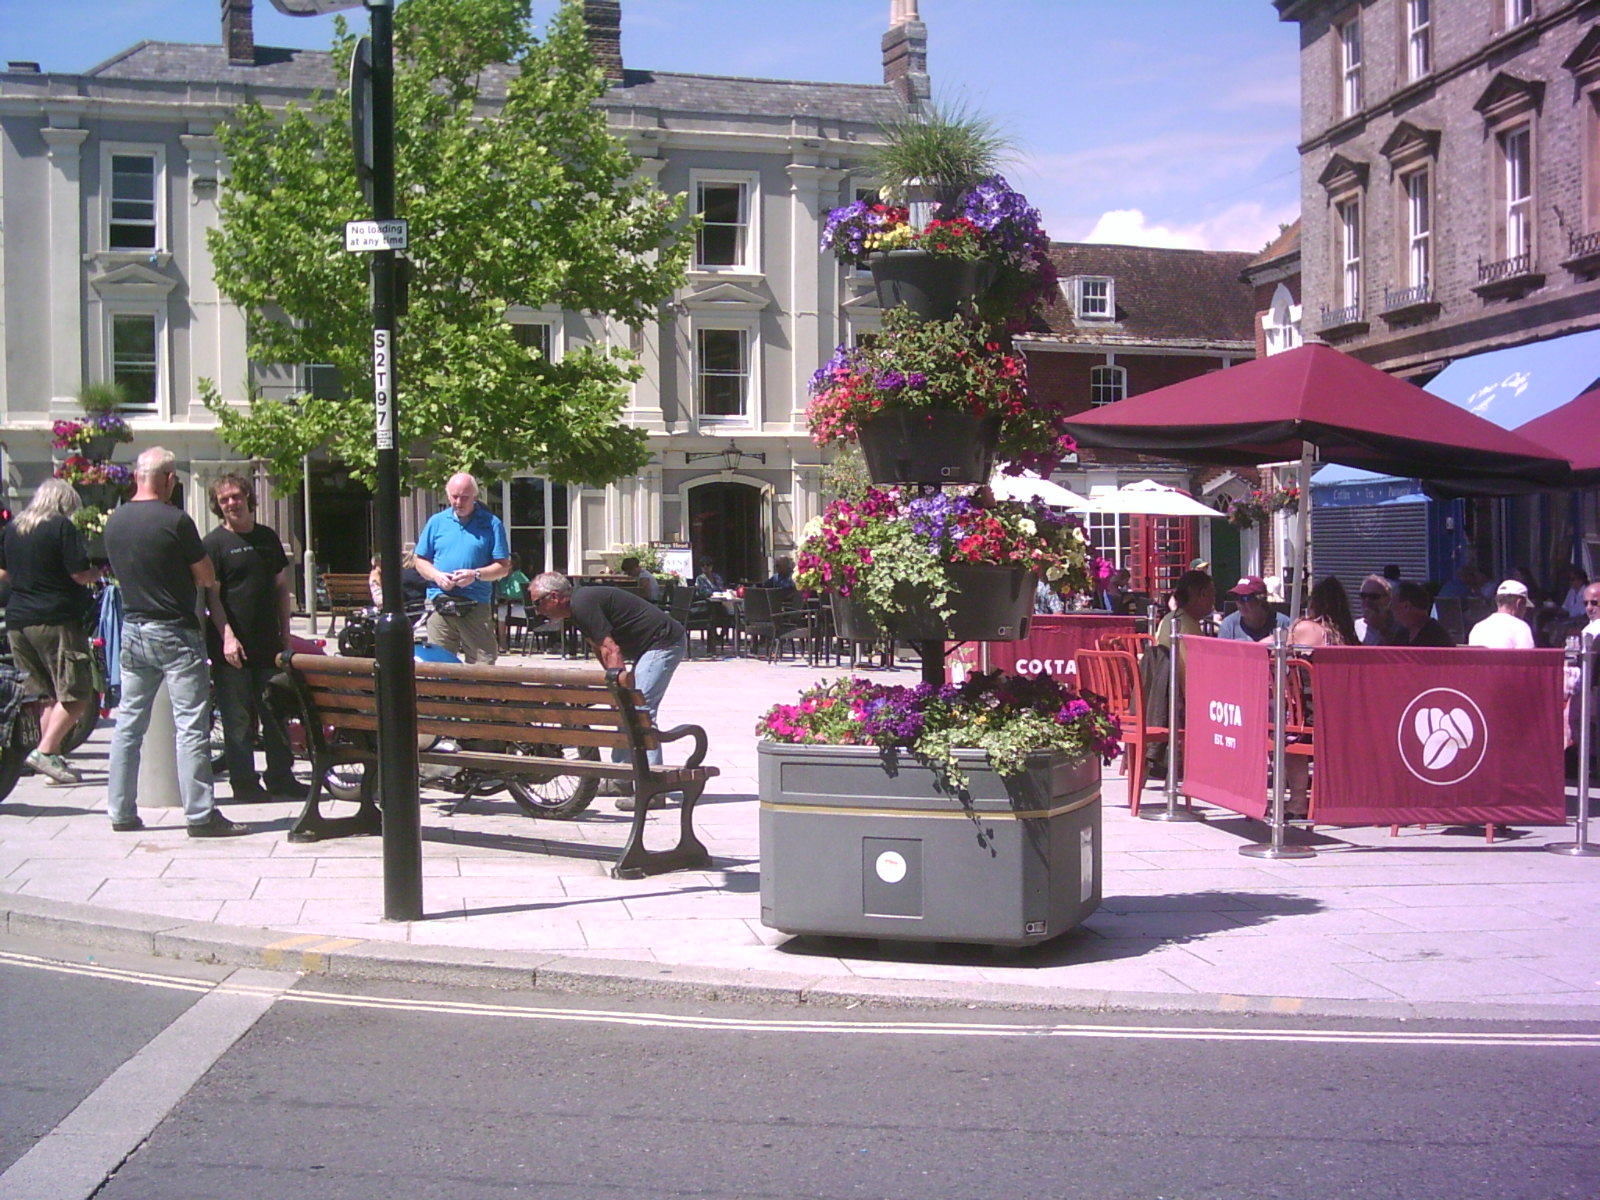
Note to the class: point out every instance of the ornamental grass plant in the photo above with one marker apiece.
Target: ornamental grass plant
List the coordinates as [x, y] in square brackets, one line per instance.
[1006, 716]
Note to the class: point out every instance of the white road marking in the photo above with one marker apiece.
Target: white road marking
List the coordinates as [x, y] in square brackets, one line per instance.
[76, 1157]
[247, 984]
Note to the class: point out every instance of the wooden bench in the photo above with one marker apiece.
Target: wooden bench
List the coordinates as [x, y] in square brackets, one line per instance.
[535, 717]
[346, 593]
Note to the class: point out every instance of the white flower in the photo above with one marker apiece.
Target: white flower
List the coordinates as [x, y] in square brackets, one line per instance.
[1027, 526]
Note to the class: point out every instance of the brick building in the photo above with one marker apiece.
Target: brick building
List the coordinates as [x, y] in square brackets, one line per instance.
[1131, 319]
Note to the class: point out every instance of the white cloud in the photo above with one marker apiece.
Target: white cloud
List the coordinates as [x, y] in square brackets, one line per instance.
[1246, 226]
[1127, 227]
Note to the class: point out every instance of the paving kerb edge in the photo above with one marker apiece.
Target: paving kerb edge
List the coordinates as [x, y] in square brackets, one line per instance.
[111, 929]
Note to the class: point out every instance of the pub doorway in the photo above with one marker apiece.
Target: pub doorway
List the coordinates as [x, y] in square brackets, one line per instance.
[726, 525]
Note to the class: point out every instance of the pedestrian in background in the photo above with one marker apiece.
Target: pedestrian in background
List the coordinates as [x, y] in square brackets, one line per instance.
[161, 565]
[249, 628]
[43, 555]
[461, 552]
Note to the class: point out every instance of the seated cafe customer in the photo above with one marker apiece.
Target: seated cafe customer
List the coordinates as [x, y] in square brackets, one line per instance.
[1507, 627]
[1413, 624]
[1192, 598]
[1376, 621]
[1253, 620]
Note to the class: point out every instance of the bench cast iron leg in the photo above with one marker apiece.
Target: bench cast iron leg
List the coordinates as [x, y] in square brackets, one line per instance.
[689, 854]
[315, 826]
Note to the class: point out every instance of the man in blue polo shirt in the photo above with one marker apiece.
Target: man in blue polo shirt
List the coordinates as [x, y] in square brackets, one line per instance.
[461, 552]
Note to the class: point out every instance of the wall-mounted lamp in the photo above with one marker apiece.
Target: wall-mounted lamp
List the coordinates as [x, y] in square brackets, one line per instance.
[730, 455]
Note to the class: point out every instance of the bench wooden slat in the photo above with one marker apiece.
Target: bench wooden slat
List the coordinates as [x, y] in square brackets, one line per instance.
[531, 707]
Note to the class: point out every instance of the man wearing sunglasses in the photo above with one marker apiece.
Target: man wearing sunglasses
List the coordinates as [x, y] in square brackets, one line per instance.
[1253, 620]
[1376, 621]
[623, 628]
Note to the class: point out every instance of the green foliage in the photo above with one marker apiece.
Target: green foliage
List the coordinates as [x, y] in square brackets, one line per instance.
[948, 145]
[846, 477]
[524, 199]
[102, 397]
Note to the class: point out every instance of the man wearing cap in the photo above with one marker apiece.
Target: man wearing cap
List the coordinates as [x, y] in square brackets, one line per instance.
[1507, 627]
[1253, 620]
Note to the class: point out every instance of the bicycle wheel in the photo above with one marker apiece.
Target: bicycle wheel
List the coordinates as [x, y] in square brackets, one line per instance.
[344, 781]
[559, 797]
[14, 755]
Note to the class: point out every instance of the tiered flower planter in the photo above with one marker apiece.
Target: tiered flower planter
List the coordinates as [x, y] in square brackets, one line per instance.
[861, 842]
[929, 447]
[857, 843]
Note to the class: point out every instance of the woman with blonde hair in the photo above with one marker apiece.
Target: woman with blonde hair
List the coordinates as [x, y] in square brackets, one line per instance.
[43, 555]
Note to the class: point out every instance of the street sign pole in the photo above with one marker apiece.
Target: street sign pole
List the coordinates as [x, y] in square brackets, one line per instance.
[396, 675]
[372, 127]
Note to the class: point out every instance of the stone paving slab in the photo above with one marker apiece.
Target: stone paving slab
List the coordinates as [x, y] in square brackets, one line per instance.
[1433, 920]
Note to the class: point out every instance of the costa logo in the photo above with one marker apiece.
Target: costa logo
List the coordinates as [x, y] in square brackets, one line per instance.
[1442, 736]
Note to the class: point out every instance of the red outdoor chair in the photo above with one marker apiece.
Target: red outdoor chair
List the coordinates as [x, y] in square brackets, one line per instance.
[1114, 674]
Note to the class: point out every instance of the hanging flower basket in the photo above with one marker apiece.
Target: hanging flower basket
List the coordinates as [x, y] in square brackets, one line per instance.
[991, 604]
[930, 446]
[934, 287]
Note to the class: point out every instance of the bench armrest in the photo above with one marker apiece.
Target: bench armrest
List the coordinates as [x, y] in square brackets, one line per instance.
[682, 731]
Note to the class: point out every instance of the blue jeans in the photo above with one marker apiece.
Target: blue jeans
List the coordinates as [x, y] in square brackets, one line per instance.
[151, 653]
[239, 701]
[651, 674]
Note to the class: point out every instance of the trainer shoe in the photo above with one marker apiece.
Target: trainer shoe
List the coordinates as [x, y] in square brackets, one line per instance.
[217, 826]
[53, 767]
[132, 825]
[628, 803]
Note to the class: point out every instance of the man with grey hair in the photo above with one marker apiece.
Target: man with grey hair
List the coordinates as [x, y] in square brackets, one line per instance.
[43, 555]
[162, 567]
[462, 551]
[622, 627]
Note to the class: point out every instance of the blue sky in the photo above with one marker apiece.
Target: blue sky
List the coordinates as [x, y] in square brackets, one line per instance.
[1159, 122]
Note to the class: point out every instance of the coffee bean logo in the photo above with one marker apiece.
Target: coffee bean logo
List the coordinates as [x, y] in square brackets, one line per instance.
[1442, 736]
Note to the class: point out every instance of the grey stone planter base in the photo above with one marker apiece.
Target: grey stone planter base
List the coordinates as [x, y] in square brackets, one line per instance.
[851, 848]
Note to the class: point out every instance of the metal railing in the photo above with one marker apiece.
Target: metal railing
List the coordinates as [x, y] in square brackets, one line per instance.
[1332, 318]
[1394, 298]
[1506, 268]
[1579, 245]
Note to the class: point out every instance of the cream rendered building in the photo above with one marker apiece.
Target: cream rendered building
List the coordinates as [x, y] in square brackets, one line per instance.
[109, 181]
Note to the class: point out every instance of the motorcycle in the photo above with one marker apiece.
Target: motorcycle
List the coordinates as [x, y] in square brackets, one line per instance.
[556, 796]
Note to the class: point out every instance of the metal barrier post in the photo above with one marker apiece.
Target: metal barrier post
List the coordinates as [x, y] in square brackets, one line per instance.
[1581, 848]
[1280, 710]
[1171, 811]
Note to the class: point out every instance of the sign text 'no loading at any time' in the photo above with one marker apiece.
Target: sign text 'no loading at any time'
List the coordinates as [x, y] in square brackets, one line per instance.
[359, 237]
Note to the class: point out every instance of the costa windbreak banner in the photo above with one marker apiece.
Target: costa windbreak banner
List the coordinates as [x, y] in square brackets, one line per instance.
[1053, 641]
[1226, 734]
[1457, 736]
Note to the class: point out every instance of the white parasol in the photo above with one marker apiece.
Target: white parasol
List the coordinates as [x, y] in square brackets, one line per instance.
[1151, 499]
[1027, 487]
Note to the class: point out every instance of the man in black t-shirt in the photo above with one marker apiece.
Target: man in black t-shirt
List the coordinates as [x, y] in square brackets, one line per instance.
[253, 594]
[43, 557]
[622, 628]
[158, 560]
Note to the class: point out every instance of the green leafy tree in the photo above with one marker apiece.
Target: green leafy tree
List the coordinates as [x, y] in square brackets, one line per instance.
[516, 193]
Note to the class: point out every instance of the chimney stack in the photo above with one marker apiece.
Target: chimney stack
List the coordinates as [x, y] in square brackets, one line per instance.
[905, 55]
[602, 22]
[238, 32]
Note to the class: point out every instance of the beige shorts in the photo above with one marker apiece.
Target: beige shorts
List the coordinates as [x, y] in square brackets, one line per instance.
[56, 659]
[472, 637]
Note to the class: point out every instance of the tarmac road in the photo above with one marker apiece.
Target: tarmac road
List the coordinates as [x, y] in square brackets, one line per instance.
[141, 1078]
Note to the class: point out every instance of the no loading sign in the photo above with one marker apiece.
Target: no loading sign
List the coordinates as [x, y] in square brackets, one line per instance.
[1442, 736]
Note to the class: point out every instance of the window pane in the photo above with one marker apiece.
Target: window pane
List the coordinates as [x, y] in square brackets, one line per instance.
[723, 372]
[722, 235]
[718, 246]
[133, 358]
[133, 202]
[722, 350]
[535, 337]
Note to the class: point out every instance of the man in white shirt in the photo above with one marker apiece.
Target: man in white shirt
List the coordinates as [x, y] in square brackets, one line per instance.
[1507, 627]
